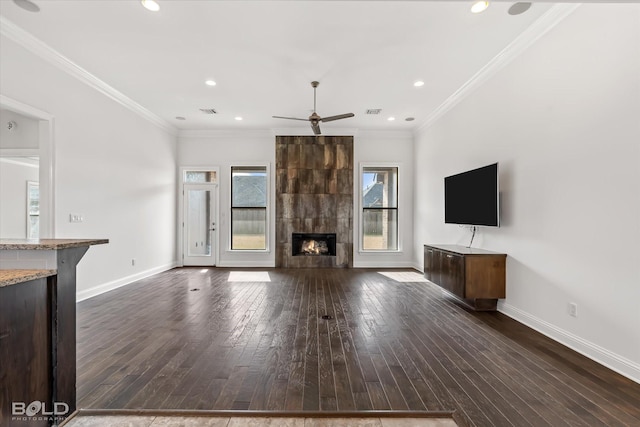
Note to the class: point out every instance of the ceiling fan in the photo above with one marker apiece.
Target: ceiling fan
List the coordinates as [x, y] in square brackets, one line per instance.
[314, 118]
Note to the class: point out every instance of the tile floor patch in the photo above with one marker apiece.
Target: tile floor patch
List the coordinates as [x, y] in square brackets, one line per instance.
[111, 421]
[179, 421]
[343, 422]
[190, 422]
[418, 422]
[266, 422]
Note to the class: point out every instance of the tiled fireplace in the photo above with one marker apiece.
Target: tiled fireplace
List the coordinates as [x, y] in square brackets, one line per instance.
[314, 197]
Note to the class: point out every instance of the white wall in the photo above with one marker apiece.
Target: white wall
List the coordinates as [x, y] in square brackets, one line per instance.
[113, 167]
[393, 148]
[14, 174]
[563, 121]
[227, 148]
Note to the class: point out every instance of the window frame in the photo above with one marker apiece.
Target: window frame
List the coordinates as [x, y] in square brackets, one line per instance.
[362, 208]
[266, 208]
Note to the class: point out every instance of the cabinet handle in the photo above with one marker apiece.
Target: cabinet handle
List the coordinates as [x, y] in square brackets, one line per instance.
[430, 250]
[449, 256]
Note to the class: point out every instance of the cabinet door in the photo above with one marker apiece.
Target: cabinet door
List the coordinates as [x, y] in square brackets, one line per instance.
[452, 276]
[429, 264]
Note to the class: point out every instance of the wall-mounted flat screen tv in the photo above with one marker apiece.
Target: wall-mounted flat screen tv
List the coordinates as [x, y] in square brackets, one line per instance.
[471, 197]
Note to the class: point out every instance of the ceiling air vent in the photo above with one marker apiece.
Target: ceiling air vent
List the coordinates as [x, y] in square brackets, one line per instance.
[208, 111]
[374, 110]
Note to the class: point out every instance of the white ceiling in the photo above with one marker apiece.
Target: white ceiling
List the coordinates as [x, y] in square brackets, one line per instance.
[264, 54]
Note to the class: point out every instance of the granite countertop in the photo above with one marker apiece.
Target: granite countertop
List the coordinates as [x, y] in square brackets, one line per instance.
[13, 277]
[47, 244]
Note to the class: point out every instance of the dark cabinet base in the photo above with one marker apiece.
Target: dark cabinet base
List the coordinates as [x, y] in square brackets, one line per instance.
[475, 276]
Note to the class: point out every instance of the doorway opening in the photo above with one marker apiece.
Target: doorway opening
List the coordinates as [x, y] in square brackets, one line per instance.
[199, 200]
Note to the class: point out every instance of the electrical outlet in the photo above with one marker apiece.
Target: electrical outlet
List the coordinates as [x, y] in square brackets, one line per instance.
[75, 218]
[573, 309]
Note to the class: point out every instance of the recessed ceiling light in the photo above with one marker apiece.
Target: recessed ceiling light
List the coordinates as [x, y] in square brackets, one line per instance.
[419, 83]
[479, 6]
[391, 119]
[238, 118]
[27, 5]
[180, 118]
[150, 5]
[210, 83]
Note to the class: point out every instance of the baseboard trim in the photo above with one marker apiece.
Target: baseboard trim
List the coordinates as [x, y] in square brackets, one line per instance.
[383, 264]
[611, 360]
[246, 264]
[118, 283]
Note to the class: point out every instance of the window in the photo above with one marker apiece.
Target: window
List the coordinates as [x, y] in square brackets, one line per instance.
[248, 207]
[200, 177]
[380, 208]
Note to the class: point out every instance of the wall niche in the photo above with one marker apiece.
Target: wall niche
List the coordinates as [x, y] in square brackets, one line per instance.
[314, 194]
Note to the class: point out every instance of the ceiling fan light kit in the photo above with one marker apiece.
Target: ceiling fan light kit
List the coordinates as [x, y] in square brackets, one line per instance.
[314, 118]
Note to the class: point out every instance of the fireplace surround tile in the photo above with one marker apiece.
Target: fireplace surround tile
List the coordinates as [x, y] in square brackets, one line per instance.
[314, 194]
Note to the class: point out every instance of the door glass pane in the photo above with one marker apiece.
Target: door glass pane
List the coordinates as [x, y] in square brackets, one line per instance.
[380, 229]
[198, 223]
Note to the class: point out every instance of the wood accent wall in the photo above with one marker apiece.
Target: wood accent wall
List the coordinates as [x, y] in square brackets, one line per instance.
[314, 194]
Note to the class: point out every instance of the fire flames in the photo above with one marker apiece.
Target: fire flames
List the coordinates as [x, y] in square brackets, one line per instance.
[314, 247]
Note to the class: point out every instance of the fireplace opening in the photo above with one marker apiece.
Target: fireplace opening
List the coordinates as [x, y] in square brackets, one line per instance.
[313, 244]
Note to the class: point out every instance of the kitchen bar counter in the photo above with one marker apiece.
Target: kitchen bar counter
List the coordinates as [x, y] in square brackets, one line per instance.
[46, 244]
[38, 325]
[14, 277]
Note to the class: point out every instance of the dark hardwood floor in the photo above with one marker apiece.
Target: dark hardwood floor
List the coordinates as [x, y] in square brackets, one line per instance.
[189, 339]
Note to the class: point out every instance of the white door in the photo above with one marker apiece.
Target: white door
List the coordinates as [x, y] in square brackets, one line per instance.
[199, 227]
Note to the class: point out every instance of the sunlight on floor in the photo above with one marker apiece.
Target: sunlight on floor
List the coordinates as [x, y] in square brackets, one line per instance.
[404, 276]
[249, 276]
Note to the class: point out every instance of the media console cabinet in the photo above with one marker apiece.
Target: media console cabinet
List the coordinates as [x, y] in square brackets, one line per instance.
[475, 276]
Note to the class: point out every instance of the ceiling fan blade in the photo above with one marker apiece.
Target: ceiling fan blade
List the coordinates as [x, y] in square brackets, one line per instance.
[290, 118]
[338, 117]
[316, 128]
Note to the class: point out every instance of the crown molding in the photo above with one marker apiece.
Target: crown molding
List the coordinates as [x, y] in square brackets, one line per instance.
[270, 133]
[225, 133]
[47, 53]
[528, 37]
[306, 131]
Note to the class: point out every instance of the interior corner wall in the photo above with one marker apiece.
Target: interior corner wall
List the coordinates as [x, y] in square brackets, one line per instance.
[113, 167]
[562, 121]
